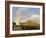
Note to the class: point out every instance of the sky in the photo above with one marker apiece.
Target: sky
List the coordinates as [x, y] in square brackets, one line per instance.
[26, 13]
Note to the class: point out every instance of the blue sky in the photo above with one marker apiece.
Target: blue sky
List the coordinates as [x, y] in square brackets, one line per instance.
[25, 11]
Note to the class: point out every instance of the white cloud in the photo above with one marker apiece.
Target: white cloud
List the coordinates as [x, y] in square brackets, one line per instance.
[18, 16]
[19, 10]
[35, 18]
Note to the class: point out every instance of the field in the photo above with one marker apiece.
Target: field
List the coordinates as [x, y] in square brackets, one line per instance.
[29, 25]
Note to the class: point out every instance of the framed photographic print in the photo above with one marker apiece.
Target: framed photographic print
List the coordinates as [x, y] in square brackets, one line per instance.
[24, 18]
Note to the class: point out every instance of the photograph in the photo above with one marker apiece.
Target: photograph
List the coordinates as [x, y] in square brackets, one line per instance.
[24, 18]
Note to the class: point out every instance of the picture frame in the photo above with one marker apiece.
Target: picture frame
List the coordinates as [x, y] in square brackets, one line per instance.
[8, 18]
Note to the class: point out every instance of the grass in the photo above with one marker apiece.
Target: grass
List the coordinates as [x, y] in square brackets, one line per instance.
[29, 25]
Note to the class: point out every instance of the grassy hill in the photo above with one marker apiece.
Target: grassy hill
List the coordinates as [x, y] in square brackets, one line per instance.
[28, 25]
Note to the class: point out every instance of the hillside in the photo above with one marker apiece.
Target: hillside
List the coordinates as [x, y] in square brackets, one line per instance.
[28, 25]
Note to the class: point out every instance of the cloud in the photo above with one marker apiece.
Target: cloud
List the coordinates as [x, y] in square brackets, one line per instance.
[18, 16]
[35, 18]
[19, 10]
